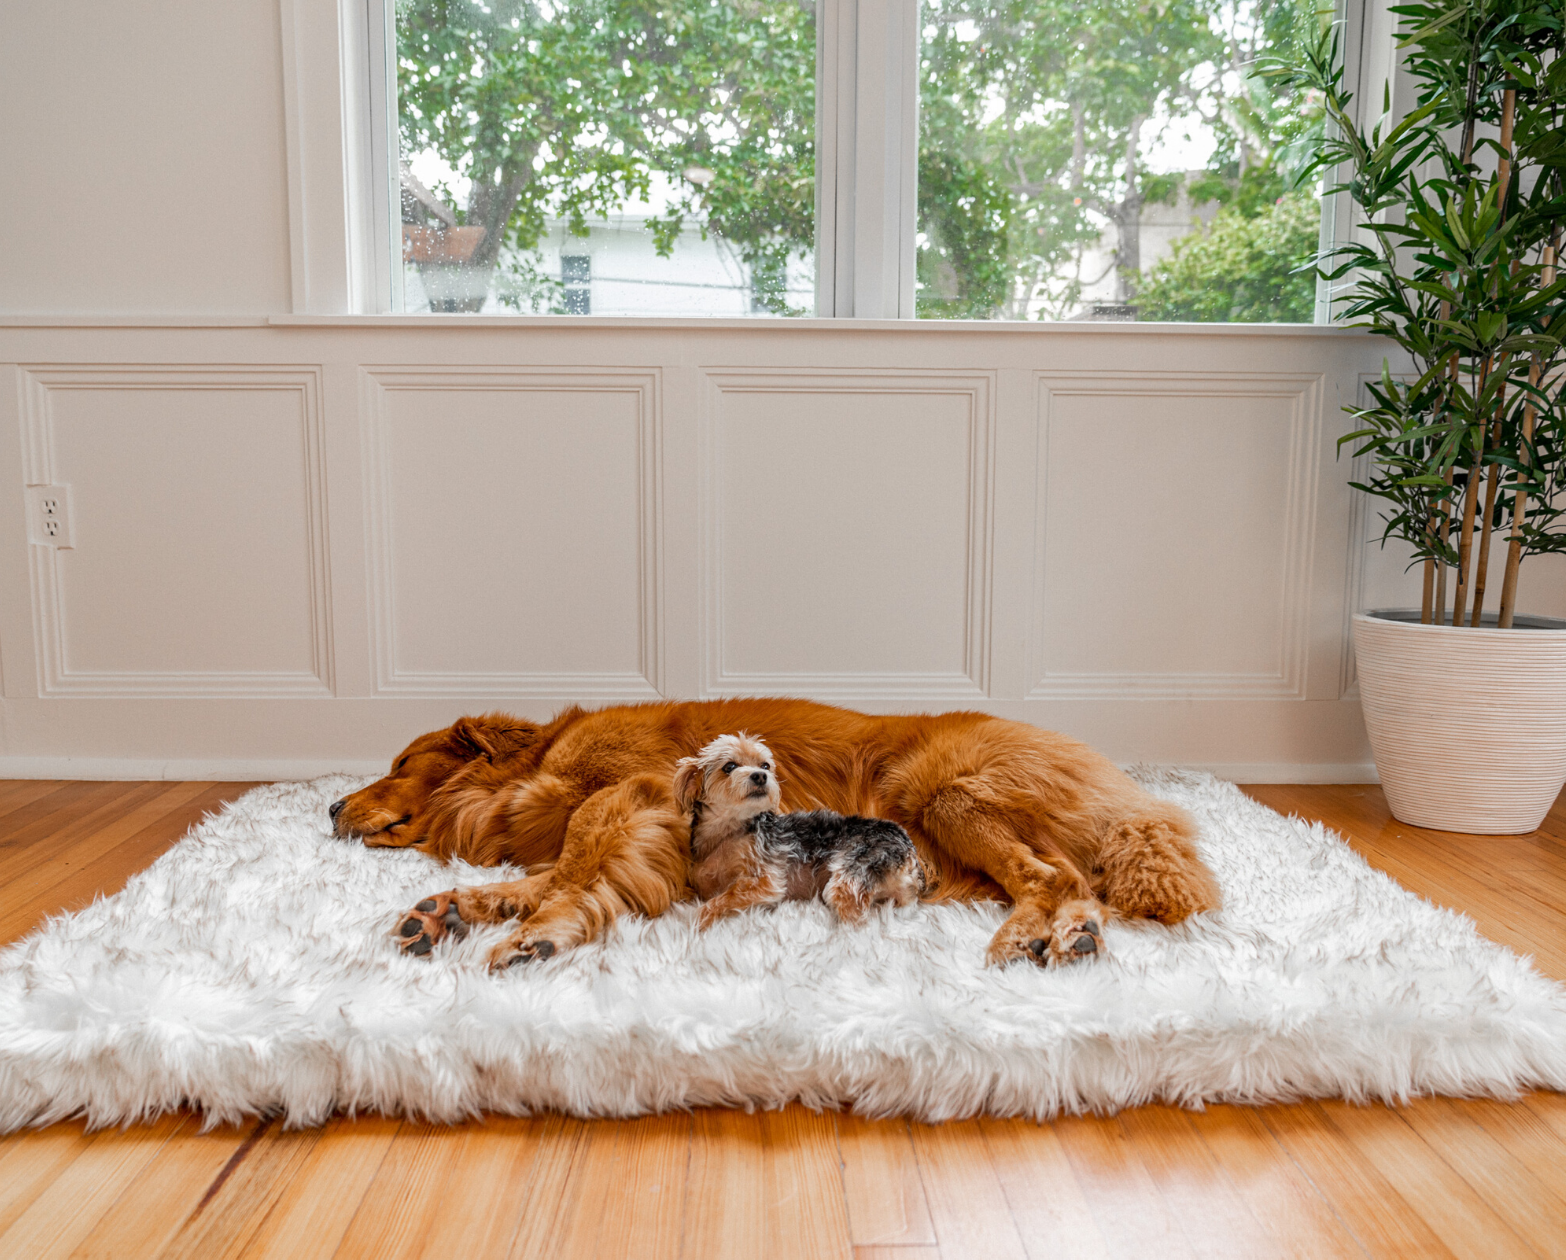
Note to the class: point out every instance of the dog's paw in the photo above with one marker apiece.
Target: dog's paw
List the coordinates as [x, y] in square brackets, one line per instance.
[1021, 938]
[1077, 933]
[428, 922]
[520, 948]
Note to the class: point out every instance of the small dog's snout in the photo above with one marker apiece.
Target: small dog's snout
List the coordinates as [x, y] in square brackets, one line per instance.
[337, 808]
[759, 778]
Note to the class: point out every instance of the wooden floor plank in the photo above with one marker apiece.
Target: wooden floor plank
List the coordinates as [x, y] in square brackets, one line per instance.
[490, 1183]
[885, 1197]
[1195, 1189]
[400, 1205]
[313, 1210]
[1528, 1196]
[1383, 1223]
[112, 819]
[75, 1200]
[32, 1162]
[1041, 1190]
[250, 1185]
[1280, 1196]
[968, 1204]
[1126, 1205]
[18, 793]
[804, 1185]
[559, 1147]
[628, 1200]
[724, 1212]
[49, 817]
[1443, 1200]
[767, 1183]
[150, 1210]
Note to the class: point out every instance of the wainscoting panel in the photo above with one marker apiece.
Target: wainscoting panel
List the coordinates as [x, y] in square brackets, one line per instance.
[1174, 527]
[513, 531]
[199, 564]
[846, 521]
[303, 541]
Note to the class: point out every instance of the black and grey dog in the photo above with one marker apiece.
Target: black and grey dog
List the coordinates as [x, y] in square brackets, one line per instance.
[745, 853]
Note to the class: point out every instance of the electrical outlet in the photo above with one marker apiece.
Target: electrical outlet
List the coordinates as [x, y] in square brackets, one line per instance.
[49, 521]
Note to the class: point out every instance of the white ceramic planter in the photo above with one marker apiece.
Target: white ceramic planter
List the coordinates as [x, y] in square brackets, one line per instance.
[1468, 726]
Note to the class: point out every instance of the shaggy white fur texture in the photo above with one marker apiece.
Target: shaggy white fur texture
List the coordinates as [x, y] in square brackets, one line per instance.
[250, 969]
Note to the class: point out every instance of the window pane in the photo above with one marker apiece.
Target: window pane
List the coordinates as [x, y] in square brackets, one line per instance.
[1112, 159]
[612, 157]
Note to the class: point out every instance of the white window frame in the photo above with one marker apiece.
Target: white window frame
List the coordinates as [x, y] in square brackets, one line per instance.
[339, 59]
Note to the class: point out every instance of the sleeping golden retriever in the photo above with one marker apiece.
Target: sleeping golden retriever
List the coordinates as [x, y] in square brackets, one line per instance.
[585, 802]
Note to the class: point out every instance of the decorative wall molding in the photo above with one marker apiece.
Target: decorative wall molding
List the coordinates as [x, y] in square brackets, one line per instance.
[41, 386]
[968, 681]
[376, 383]
[1304, 394]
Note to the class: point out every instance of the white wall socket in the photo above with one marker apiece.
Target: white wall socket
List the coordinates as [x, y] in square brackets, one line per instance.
[49, 518]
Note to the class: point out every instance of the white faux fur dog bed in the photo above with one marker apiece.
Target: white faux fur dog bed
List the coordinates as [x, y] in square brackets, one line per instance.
[249, 969]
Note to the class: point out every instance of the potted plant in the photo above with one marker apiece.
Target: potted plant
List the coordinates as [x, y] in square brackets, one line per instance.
[1456, 262]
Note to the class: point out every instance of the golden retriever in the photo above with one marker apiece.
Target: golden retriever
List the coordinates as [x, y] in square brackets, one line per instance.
[585, 802]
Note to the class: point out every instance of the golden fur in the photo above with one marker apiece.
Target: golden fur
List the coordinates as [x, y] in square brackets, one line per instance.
[996, 809]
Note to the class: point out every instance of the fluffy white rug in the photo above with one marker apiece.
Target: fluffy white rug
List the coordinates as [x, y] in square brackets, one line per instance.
[250, 969]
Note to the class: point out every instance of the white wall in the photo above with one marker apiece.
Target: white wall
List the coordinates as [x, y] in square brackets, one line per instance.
[142, 164]
[301, 541]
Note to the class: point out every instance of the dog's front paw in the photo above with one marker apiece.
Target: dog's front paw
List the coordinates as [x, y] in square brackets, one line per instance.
[428, 922]
[1076, 933]
[520, 948]
[1021, 938]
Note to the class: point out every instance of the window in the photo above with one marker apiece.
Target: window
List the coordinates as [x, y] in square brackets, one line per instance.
[972, 159]
[1112, 159]
[674, 141]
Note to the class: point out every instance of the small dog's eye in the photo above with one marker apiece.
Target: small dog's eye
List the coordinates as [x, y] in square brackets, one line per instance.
[766, 765]
[731, 767]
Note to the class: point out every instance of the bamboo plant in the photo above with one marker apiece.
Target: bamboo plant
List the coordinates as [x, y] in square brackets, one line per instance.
[1462, 202]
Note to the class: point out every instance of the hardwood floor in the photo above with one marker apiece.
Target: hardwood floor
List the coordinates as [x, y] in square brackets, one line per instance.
[1443, 1177]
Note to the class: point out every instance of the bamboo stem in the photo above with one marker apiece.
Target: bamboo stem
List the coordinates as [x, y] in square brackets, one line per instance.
[1465, 546]
[1427, 593]
[1519, 506]
[1445, 535]
[1520, 498]
[1503, 179]
[1492, 481]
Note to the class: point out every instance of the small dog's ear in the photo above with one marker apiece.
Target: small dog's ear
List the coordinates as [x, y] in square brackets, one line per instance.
[687, 782]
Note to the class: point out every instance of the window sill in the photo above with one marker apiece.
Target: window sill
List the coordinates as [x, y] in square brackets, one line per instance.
[782, 324]
[766, 324]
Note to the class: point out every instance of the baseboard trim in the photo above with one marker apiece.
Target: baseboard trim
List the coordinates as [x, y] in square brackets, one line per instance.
[1290, 772]
[257, 771]
[240, 770]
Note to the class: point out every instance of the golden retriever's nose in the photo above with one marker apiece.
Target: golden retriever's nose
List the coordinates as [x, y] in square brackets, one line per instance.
[337, 808]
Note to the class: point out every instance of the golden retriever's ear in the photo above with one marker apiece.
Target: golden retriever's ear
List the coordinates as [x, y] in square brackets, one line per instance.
[492, 735]
[687, 783]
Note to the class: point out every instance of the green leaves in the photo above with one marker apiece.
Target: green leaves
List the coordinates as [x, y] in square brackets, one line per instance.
[1256, 269]
[1450, 266]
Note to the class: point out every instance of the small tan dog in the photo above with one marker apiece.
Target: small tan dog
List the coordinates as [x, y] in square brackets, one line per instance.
[747, 854]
